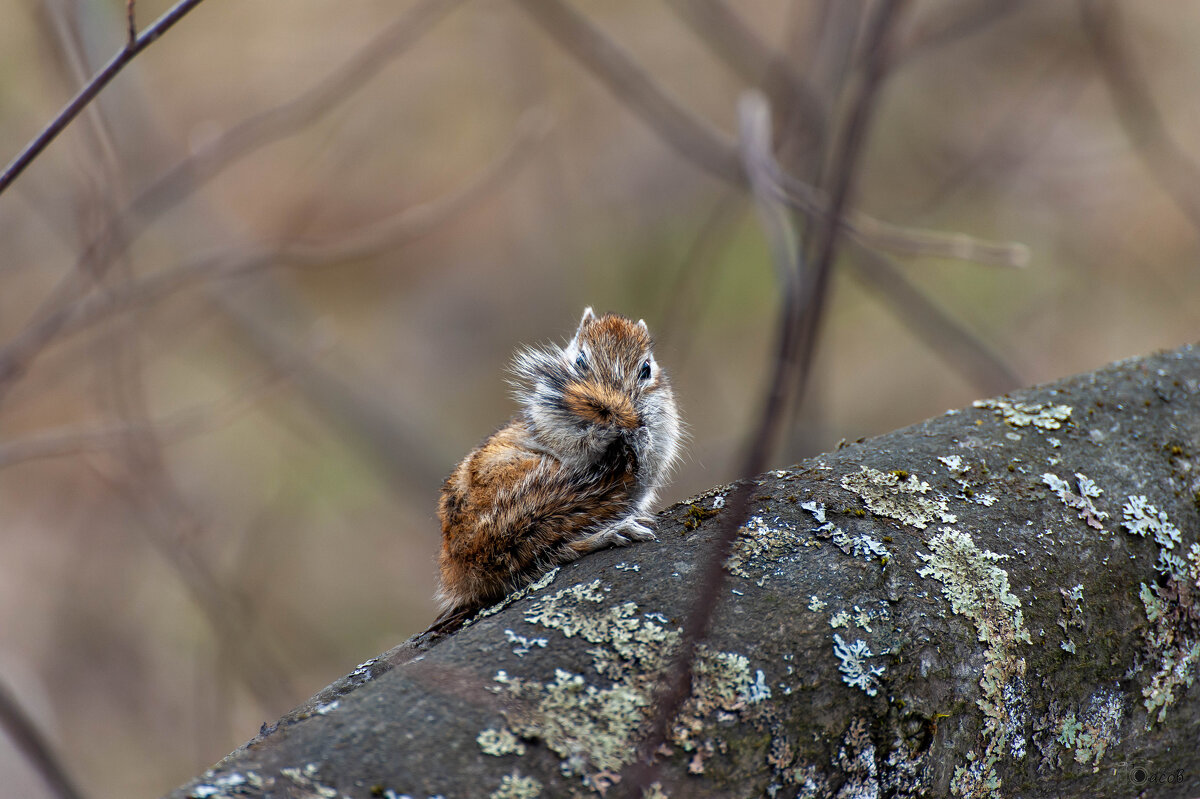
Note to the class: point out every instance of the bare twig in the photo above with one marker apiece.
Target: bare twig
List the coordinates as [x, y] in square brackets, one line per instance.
[54, 313]
[1174, 170]
[829, 61]
[131, 22]
[135, 45]
[677, 683]
[25, 735]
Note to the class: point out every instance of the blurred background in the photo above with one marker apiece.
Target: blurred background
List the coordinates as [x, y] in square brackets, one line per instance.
[258, 300]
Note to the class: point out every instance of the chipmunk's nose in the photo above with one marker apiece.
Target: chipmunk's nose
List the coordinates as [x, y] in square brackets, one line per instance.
[599, 405]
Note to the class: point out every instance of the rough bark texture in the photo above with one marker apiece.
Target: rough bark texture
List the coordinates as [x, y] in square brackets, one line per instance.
[1003, 600]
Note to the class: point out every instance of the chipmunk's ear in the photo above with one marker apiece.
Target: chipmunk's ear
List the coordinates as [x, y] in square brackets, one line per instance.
[642, 325]
[588, 316]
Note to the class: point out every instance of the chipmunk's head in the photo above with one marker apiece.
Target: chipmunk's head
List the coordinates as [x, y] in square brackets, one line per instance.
[604, 385]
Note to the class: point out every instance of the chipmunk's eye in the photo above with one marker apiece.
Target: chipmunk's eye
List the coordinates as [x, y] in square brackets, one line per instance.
[645, 373]
[581, 362]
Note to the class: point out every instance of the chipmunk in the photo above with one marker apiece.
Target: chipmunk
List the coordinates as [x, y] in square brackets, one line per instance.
[577, 470]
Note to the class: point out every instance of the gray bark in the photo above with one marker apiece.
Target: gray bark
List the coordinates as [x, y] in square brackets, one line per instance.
[996, 601]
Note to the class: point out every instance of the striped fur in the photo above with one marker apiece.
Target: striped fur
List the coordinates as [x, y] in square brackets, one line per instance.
[576, 471]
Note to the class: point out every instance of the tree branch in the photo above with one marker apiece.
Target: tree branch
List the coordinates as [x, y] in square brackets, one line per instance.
[135, 45]
[1172, 168]
[1000, 601]
[25, 735]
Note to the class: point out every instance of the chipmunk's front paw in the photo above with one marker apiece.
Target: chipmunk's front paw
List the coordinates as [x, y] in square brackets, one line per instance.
[621, 533]
[636, 528]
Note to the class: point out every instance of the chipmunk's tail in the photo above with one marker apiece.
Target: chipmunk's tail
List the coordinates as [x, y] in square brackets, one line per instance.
[448, 621]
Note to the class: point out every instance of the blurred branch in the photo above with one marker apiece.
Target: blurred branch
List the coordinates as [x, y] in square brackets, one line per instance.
[397, 438]
[759, 63]
[288, 118]
[964, 351]
[676, 686]
[193, 172]
[607, 60]
[139, 473]
[908, 241]
[531, 130]
[177, 426]
[877, 234]
[38, 752]
[803, 297]
[131, 23]
[763, 171]
[694, 272]
[1141, 119]
[954, 22]
[847, 146]
[171, 527]
[142, 475]
[1006, 144]
[705, 146]
[400, 228]
[632, 84]
[133, 46]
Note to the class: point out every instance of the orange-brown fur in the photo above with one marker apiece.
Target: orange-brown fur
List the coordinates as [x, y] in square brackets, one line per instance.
[575, 472]
[509, 512]
[600, 406]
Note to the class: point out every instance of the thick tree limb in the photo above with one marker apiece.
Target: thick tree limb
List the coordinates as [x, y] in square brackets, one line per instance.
[1001, 601]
